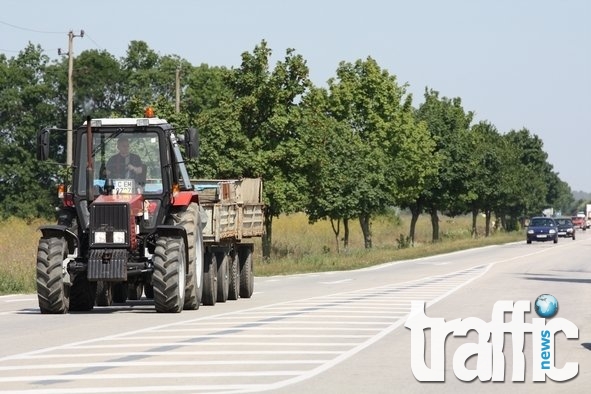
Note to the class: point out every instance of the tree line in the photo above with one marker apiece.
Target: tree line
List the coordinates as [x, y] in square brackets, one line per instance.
[345, 152]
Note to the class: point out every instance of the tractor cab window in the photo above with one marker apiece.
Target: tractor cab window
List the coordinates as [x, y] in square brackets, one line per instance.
[130, 161]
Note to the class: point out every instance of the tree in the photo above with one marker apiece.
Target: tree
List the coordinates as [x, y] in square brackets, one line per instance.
[415, 162]
[533, 173]
[368, 100]
[99, 85]
[26, 186]
[332, 156]
[264, 104]
[447, 123]
[485, 178]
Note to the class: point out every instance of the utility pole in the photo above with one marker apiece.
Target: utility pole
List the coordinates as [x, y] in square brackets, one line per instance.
[70, 126]
[178, 90]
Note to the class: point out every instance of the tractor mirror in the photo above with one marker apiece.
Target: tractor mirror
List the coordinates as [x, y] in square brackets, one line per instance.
[191, 143]
[43, 144]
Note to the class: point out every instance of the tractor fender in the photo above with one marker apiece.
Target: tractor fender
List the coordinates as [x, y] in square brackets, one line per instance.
[57, 231]
[166, 230]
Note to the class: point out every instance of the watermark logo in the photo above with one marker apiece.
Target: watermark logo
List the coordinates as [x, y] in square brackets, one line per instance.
[491, 336]
[546, 305]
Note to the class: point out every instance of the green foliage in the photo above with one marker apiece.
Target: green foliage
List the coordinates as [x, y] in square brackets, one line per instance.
[346, 152]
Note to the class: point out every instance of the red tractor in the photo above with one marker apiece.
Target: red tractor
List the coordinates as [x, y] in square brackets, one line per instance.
[127, 225]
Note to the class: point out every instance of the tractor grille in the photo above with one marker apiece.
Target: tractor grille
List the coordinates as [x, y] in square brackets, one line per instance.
[109, 217]
[110, 225]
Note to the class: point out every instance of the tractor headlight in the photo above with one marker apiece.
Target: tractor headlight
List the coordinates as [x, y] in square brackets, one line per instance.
[100, 237]
[103, 237]
[119, 237]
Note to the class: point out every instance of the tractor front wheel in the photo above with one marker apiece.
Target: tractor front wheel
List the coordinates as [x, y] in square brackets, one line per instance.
[53, 292]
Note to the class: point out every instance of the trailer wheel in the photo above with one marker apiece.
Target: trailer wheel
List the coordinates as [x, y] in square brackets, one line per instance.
[135, 291]
[82, 294]
[104, 293]
[234, 286]
[169, 274]
[119, 292]
[210, 279]
[53, 292]
[149, 291]
[246, 271]
[189, 219]
[223, 276]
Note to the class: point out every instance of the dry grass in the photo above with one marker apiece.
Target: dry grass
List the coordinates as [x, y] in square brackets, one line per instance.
[18, 254]
[297, 246]
[300, 247]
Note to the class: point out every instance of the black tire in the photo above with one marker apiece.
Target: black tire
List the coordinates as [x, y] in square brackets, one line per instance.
[234, 285]
[119, 292]
[82, 294]
[53, 292]
[223, 276]
[104, 293]
[246, 271]
[210, 279]
[135, 291]
[189, 219]
[573, 237]
[529, 241]
[149, 291]
[556, 240]
[168, 278]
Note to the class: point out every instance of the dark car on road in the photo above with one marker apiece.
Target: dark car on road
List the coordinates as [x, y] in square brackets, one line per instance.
[566, 227]
[543, 229]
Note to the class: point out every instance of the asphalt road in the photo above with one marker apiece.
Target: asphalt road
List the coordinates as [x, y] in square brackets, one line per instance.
[339, 332]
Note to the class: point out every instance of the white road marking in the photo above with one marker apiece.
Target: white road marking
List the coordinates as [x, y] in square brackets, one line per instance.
[336, 282]
[253, 350]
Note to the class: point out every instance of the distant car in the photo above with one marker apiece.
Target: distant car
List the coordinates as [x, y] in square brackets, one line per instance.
[566, 228]
[579, 222]
[542, 228]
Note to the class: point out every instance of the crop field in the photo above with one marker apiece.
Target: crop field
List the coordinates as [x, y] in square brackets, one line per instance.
[297, 246]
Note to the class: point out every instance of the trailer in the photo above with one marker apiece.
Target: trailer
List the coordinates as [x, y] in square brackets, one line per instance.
[234, 217]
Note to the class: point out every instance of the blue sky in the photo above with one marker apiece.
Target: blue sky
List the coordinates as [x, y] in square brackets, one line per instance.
[515, 63]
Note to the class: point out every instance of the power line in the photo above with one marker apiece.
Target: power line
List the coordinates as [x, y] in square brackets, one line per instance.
[33, 30]
[91, 39]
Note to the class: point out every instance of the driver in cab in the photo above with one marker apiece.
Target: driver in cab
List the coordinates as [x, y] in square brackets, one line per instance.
[124, 165]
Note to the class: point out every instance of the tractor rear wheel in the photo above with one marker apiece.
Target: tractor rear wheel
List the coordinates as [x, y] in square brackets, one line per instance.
[53, 292]
[189, 219]
[168, 278]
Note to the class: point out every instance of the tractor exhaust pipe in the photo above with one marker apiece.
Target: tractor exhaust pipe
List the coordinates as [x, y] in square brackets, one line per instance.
[89, 167]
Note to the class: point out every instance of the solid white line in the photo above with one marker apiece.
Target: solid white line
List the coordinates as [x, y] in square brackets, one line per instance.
[266, 328]
[111, 364]
[151, 375]
[21, 300]
[185, 353]
[211, 344]
[336, 282]
[245, 336]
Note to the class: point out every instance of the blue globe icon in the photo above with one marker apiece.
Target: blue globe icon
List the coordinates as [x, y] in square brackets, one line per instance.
[546, 305]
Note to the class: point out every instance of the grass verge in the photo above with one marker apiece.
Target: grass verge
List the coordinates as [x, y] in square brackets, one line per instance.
[298, 246]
